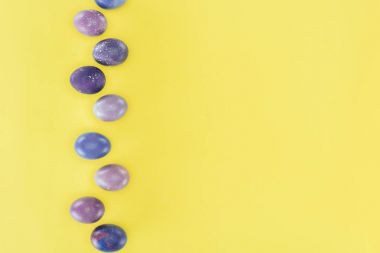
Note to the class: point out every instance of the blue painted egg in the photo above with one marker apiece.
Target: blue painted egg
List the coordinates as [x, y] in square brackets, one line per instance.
[108, 238]
[110, 4]
[92, 146]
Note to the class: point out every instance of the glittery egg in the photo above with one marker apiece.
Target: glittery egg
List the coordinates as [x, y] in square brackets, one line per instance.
[108, 238]
[112, 177]
[92, 146]
[110, 52]
[110, 108]
[87, 210]
[90, 22]
[110, 4]
[88, 80]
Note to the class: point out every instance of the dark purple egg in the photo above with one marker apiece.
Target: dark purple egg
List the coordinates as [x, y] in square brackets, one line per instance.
[90, 22]
[110, 52]
[88, 80]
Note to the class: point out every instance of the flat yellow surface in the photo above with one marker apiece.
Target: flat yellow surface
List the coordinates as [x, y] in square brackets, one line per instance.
[254, 126]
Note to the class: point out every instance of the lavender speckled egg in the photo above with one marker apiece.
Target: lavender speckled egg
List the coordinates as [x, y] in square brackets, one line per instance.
[112, 177]
[108, 238]
[110, 52]
[110, 108]
[110, 4]
[92, 146]
[87, 210]
[88, 80]
[90, 22]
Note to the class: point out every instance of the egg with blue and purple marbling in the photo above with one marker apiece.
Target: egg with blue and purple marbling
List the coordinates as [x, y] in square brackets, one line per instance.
[110, 4]
[108, 238]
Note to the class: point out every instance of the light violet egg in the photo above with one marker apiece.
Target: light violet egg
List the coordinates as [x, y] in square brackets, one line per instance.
[90, 22]
[87, 210]
[112, 177]
[110, 108]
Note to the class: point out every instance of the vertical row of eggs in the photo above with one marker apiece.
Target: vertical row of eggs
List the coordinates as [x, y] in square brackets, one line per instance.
[91, 80]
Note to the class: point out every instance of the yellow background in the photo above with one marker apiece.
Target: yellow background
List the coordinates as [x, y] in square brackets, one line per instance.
[254, 126]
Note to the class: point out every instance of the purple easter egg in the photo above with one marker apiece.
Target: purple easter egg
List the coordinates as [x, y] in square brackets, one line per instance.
[112, 177]
[110, 108]
[88, 80]
[110, 52]
[90, 22]
[87, 210]
[109, 238]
